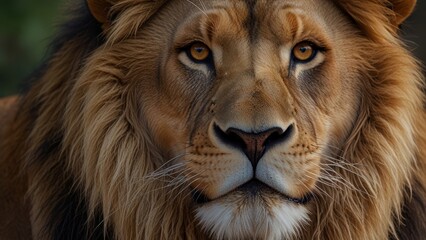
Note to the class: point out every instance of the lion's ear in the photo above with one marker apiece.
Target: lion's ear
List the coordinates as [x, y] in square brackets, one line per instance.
[100, 9]
[402, 9]
[379, 19]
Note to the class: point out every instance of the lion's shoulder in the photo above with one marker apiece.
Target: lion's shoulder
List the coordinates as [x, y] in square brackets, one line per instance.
[8, 108]
[14, 212]
[7, 104]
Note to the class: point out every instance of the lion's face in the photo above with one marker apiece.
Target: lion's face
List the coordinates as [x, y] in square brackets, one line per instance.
[225, 119]
[249, 100]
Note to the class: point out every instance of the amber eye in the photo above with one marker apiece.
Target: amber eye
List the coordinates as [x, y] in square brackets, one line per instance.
[304, 51]
[199, 51]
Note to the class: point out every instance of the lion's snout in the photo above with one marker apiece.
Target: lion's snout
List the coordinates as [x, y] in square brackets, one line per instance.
[254, 144]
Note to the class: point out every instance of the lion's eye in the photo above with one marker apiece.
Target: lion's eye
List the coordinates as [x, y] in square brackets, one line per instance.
[304, 51]
[198, 52]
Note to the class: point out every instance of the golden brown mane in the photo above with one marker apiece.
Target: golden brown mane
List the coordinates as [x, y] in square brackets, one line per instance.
[81, 142]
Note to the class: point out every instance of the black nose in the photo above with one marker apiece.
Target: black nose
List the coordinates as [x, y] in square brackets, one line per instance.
[254, 145]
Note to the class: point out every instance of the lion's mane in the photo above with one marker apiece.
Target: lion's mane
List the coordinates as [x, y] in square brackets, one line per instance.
[88, 158]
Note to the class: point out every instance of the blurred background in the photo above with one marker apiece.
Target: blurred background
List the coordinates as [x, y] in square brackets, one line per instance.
[26, 28]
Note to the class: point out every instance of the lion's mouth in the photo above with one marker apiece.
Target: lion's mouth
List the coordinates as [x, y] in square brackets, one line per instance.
[253, 188]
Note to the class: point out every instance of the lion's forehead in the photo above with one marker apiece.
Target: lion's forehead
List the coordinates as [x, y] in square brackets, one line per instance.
[227, 21]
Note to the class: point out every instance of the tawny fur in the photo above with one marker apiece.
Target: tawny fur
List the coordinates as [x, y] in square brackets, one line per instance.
[80, 129]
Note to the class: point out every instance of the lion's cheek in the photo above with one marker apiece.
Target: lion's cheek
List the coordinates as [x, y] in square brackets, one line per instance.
[167, 132]
[295, 175]
[165, 139]
[217, 175]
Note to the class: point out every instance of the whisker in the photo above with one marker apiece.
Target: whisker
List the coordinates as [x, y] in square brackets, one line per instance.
[203, 5]
[197, 7]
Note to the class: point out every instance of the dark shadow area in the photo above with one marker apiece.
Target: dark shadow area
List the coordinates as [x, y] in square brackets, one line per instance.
[414, 31]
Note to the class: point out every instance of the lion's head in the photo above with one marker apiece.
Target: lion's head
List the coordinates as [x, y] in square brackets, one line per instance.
[232, 119]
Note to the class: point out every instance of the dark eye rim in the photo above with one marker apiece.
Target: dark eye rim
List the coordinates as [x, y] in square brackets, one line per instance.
[187, 49]
[315, 49]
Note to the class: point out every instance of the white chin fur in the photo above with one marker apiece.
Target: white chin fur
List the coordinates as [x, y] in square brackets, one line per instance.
[251, 219]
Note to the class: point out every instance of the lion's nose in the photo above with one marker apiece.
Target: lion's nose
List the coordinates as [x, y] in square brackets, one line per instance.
[254, 145]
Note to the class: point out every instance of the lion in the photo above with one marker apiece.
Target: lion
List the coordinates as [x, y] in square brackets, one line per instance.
[219, 119]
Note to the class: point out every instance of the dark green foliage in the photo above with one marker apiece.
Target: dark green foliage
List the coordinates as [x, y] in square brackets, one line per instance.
[26, 28]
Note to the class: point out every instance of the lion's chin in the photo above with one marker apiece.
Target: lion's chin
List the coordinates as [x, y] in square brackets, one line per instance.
[244, 215]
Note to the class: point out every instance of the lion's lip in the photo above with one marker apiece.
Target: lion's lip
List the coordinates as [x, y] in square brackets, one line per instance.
[253, 188]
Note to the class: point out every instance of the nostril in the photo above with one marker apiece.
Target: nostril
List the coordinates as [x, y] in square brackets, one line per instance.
[254, 145]
[279, 136]
[229, 138]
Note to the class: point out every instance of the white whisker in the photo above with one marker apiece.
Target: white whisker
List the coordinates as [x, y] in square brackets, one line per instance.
[197, 7]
